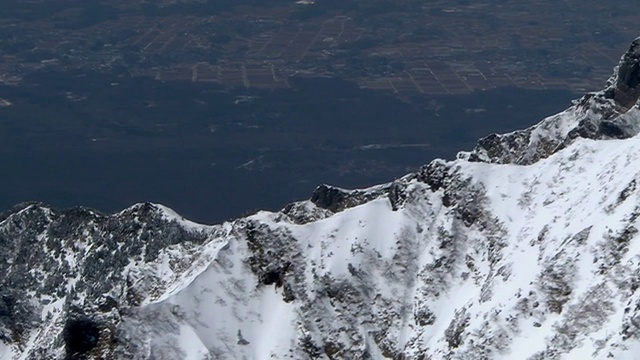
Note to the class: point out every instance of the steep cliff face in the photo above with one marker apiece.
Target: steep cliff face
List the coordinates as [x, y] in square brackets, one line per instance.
[526, 247]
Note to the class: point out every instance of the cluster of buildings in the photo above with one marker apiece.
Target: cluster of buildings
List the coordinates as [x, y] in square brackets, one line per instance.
[441, 50]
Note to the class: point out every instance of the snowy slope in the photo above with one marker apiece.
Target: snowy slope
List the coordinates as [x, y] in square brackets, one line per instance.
[526, 247]
[532, 262]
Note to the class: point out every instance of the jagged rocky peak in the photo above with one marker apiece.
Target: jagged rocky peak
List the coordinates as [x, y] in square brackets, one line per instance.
[625, 90]
[613, 112]
[336, 199]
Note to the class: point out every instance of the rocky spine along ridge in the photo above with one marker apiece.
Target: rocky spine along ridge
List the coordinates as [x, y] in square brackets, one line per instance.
[611, 113]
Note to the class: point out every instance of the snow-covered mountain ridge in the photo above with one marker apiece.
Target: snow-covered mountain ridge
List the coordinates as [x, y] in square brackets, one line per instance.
[527, 247]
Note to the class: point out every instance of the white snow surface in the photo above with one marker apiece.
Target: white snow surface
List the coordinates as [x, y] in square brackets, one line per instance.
[547, 268]
[6, 352]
